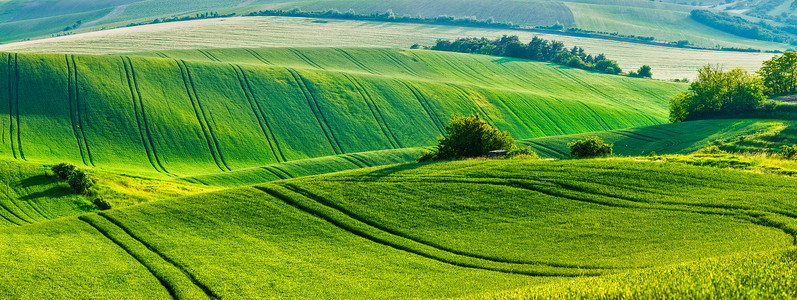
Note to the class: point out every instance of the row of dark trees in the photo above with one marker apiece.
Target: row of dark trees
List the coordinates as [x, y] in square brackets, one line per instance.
[537, 49]
[744, 28]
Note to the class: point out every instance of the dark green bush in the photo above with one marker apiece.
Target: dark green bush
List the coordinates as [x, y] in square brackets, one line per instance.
[80, 181]
[469, 136]
[101, 204]
[63, 170]
[788, 152]
[590, 147]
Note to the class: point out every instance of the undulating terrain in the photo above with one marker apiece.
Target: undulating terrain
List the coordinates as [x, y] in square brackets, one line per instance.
[276, 157]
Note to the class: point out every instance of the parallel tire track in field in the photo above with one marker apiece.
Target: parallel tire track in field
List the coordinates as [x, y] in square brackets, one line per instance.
[375, 112]
[13, 107]
[275, 173]
[75, 111]
[258, 56]
[358, 158]
[254, 104]
[514, 113]
[362, 228]
[141, 117]
[426, 106]
[174, 277]
[353, 161]
[209, 55]
[283, 171]
[466, 96]
[395, 60]
[313, 103]
[557, 151]
[306, 59]
[357, 62]
[201, 117]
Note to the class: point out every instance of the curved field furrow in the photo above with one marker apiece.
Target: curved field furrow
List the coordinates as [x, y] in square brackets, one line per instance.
[357, 62]
[357, 227]
[145, 138]
[199, 112]
[378, 117]
[306, 59]
[319, 115]
[259, 57]
[435, 118]
[79, 112]
[139, 102]
[258, 112]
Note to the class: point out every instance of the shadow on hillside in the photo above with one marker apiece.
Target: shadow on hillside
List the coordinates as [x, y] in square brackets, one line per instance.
[54, 192]
[382, 173]
[37, 180]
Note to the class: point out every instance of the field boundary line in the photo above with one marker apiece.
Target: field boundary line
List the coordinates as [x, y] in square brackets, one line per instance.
[456, 260]
[172, 262]
[296, 189]
[71, 94]
[374, 112]
[357, 62]
[316, 109]
[190, 89]
[306, 59]
[208, 55]
[424, 103]
[258, 56]
[78, 112]
[141, 117]
[253, 102]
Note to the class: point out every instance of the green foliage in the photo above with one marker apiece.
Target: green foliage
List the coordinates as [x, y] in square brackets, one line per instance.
[80, 181]
[788, 152]
[469, 136]
[590, 147]
[608, 67]
[718, 93]
[63, 170]
[644, 72]
[101, 204]
[712, 149]
[780, 74]
[522, 152]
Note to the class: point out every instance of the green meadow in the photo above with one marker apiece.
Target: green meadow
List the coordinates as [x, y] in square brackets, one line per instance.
[360, 234]
[177, 113]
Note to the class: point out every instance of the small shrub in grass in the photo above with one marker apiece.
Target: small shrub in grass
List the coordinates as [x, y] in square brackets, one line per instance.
[788, 152]
[590, 147]
[517, 152]
[80, 181]
[712, 149]
[469, 136]
[101, 204]
[63, 170]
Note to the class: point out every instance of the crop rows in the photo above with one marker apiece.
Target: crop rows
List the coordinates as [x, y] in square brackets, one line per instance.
[190, 116]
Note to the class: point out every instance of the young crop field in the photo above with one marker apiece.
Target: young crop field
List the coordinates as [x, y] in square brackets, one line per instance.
[667, 63]
[207, 111]
[360, 234]
[744, 135]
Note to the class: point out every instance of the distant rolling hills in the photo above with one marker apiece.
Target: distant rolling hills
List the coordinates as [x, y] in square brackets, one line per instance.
[205, 111]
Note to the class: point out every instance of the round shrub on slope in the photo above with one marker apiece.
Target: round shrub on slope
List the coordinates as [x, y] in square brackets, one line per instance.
[63, 170]
[80, 181]
[469, 136]
[590, 147]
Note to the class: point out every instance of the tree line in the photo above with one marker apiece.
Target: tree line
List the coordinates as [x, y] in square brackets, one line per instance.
[739, 26]
[537, 49]
[717, 92]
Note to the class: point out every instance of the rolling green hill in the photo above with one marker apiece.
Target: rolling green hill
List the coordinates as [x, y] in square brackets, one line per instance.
[360, 234]
[206, 111]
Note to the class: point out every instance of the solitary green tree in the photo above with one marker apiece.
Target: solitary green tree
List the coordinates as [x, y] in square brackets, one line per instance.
[469, 136]
[780, 74]
[645, 72]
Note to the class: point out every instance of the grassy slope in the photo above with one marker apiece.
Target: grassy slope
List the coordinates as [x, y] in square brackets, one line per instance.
[186, 116]
[342, 235]
[667, 63]
[679, 138]
[665, 22]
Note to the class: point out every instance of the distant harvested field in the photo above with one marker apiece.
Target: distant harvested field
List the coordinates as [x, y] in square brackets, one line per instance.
[665, 22]
[667, 63]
